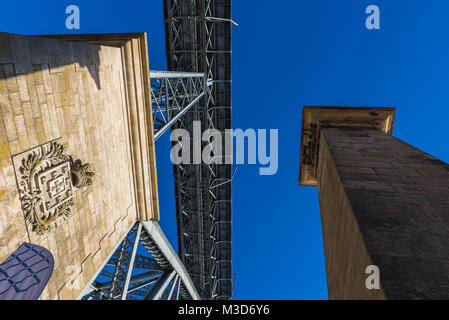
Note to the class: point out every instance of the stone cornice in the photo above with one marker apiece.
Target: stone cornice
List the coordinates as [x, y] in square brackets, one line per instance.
[315, 118]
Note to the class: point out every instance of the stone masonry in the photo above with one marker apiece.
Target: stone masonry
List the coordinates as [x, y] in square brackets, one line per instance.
[50, 89]
[399, 197]
[383, 203]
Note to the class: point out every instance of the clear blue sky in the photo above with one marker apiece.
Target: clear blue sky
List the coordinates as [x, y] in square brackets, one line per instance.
[285, 55]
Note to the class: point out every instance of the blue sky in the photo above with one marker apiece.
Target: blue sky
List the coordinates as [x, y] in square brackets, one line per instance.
[286, 55]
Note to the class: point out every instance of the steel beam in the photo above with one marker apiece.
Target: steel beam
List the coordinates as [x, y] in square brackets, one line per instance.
[199, 39]
[158, 236]
[162, 284]
[172, 95]
[131, 262]
[89, 288]
[169, 123]
[153, 277]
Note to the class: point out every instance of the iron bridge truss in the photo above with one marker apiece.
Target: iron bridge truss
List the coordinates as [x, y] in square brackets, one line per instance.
[199, 39]
[144, 266]
[173, 94]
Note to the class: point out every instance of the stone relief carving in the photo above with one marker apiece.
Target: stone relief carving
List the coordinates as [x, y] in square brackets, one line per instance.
[81, 176]
[45, 186]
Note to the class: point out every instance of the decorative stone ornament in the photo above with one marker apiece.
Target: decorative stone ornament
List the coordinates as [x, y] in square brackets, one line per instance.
[81, 177]
[45, 186]
[315, 118]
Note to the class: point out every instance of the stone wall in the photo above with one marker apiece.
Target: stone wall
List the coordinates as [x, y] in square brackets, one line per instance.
[50, 89]
[346, 255]
[387, 203]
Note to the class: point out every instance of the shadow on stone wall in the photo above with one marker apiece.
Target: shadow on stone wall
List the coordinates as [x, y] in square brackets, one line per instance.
[31, 53]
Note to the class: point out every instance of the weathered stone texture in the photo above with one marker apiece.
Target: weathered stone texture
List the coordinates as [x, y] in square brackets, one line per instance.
[345, 252]
[384, 201]
[50, 89]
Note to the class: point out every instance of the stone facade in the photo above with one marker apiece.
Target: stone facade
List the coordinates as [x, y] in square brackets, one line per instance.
[386, 203]
[383, 203]
[346, 255]
[45, 186]
[79, 92]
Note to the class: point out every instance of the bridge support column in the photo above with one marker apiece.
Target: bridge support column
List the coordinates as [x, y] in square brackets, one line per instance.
[383, 203]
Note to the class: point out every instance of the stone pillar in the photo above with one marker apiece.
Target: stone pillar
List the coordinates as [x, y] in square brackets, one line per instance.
[383, 203]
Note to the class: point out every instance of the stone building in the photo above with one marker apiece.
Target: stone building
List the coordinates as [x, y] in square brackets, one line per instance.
[68, 98]
[383, 203]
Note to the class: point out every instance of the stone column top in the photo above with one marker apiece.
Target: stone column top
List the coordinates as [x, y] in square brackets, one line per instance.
[316, 117]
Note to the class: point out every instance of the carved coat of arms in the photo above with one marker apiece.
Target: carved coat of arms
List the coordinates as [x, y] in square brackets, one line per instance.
[45, 186]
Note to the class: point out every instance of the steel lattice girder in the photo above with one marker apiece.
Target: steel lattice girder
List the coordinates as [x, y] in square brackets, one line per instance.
[173, 94]
[127, 275]
[199, 39]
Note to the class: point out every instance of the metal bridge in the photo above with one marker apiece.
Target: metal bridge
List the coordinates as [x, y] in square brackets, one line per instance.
[199, 39]
[130, 273]
[197, 88]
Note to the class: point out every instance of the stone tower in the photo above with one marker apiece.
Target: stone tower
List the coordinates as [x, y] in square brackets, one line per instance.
[382, 201]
